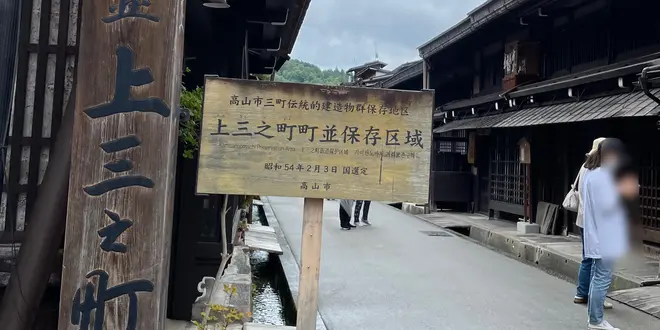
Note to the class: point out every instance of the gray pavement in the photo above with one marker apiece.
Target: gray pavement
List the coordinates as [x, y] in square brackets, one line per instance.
[392, 276]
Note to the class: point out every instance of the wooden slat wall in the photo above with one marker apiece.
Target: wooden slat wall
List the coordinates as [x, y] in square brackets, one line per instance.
[650, 195]
[46, 51]
[585, 39]
[506, 173]
[637, 135]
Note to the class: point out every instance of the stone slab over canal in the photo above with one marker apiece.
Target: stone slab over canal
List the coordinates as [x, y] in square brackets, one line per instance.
[392, 276]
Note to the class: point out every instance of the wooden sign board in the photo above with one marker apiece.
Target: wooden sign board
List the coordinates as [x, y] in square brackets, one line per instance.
[299, 140]
[525, 152]
[121, 187]
[472, 147]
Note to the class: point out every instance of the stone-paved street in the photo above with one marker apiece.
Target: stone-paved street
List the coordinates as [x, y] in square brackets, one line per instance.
[391, 276]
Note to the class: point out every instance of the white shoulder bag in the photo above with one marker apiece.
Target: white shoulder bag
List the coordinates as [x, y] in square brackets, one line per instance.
[571, 201]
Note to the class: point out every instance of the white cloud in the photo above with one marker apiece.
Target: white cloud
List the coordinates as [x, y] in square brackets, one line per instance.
[345, 33]
[334, 41]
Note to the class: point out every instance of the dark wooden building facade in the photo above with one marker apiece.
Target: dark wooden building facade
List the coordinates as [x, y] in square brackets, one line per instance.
[523, 87]
[245, 39]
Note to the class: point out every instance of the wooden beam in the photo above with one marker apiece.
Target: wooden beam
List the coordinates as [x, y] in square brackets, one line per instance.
[7, 264]
[425, 85]
[431, 203]
[425, 74]
[265, 44]
[265, 16]
[651, 235]
[118, 229]
[12, 237]
[310, 264]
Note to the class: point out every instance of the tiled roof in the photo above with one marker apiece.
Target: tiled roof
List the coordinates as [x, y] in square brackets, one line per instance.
[634, 104]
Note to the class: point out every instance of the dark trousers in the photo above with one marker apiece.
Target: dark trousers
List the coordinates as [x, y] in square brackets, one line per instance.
[344, 218]
[365, 211]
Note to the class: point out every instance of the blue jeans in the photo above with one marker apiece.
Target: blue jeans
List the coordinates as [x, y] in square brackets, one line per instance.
[601, 278]
[584, 274]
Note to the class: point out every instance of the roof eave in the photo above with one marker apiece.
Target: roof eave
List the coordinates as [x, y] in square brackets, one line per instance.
[424, 47]
[478, 17]
[406, 74]
[368, 64]
[303, 6]
[598, 108]
[612, 71]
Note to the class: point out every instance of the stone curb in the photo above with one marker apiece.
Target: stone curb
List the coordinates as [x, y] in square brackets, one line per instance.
[288, 260]
[541, 257]
[547, 259]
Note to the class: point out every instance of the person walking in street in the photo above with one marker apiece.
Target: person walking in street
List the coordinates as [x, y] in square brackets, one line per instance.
[345, 208]
[365, 212]
[584, 273]
[605, 227]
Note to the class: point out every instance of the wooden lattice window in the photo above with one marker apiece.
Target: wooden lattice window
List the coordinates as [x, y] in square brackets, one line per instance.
[451, 154]
[47, 47]
[444, 146]
[589, 46]
[649, 192]
[507, 175]
[633, 38]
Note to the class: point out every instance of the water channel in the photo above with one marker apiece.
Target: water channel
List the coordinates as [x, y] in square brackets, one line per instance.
[272, 302]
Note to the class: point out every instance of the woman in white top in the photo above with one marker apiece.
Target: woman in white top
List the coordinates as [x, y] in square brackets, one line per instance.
[584, 274]
[605, 223]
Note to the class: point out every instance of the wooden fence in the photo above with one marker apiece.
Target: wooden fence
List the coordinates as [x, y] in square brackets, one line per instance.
[47, 46]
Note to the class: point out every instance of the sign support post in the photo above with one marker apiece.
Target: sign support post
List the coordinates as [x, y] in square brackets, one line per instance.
[310, 264]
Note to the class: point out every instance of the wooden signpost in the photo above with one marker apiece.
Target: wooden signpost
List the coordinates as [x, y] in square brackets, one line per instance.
[526, 163]
[116, 261]
[282, 139]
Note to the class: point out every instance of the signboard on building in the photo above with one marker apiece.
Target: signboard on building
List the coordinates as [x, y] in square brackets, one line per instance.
[299, 140]
[472, 148]
[525, 153]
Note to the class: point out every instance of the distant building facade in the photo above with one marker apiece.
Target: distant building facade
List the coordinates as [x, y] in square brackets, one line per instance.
[523, 87]
[368, 75]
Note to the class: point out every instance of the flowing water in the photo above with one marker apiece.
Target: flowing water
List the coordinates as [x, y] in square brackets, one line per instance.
[272, 303]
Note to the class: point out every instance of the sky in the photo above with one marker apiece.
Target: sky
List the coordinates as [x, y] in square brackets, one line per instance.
[347, 33]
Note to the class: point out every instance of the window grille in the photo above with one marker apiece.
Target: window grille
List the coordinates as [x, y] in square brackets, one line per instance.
[507, 175]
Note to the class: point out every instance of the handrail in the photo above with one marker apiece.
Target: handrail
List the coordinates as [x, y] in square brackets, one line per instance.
[643, 81]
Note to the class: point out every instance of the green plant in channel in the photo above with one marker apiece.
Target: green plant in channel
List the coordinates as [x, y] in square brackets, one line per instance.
[254, 294]
[220, 316]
